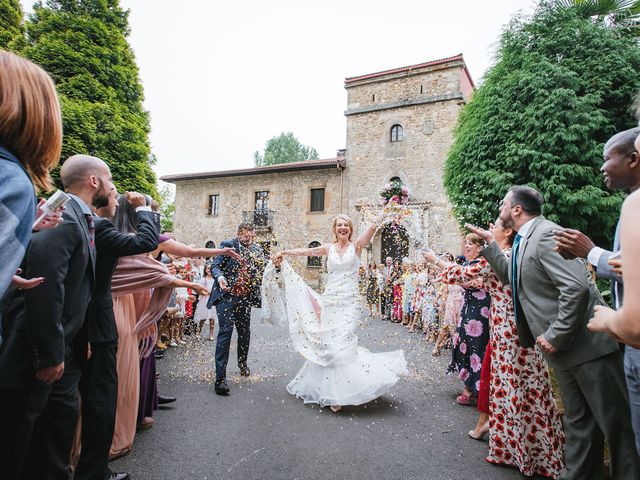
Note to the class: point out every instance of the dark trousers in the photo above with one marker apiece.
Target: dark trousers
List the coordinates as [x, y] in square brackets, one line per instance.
[232, 311]
[99, 393]
[38, 425]
[597, 408]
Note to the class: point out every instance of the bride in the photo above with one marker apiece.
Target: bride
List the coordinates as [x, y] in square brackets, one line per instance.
[322, 327]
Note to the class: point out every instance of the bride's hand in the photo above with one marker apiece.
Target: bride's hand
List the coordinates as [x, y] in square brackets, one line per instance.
[277, 258]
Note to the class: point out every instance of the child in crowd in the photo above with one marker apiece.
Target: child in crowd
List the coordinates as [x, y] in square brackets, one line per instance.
[407, 292]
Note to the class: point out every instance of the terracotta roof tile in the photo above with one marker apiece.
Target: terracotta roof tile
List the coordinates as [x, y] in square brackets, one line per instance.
[281, 167]
[401, 69]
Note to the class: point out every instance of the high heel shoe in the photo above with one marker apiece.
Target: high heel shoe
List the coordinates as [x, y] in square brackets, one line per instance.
[335, 408]
[481, 433]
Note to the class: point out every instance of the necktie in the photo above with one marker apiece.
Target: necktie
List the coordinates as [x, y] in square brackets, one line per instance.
[92, 229]
[514, 273]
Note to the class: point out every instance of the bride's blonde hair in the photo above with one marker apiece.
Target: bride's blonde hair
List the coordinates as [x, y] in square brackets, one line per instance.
[346, 218]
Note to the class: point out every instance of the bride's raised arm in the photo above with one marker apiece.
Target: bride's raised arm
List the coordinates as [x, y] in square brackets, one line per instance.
[364, 239]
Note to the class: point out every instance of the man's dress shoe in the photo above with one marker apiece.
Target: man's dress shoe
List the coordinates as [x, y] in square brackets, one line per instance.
[221, 387]
[244, 370]
[164, 400]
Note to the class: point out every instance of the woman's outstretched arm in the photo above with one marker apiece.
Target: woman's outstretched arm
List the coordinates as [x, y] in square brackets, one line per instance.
[179, 249]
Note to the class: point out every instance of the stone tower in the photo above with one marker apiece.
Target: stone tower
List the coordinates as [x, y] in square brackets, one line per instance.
[400, 126]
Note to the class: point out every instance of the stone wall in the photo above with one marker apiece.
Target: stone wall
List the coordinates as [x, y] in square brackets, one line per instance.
[428, 120]
[294, 226]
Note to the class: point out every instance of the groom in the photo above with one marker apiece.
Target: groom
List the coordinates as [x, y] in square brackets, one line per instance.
[236, 289]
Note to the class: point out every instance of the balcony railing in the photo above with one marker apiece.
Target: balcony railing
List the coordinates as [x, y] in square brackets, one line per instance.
[260, 219]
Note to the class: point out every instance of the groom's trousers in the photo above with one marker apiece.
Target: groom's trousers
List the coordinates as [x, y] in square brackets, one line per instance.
[232, 311]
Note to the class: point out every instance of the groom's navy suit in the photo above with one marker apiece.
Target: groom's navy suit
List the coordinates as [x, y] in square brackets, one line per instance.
[232, 309]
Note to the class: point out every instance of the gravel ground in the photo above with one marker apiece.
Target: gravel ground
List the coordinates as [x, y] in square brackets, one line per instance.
[416, 431]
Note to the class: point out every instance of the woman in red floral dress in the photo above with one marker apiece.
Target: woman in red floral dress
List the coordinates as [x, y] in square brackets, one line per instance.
[525, 430]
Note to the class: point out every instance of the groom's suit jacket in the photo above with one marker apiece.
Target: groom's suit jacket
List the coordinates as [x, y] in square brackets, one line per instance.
[557, 297]
[229, 268]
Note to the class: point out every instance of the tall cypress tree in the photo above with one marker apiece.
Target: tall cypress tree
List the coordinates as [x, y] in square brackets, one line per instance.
[562, 84]
[11, 27]
[83, 45]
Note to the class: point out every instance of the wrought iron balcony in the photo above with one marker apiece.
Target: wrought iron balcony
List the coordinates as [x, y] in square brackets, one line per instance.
[260, 219]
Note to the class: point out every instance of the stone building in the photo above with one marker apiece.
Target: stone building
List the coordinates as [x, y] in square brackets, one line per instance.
[399, 129]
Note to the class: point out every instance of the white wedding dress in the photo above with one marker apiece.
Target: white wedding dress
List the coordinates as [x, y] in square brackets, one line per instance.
[322, 328]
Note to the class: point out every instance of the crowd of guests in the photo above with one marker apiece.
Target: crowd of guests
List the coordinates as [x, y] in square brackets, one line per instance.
[413, 295]
[82, 294]
[90, 295]
[531, 311]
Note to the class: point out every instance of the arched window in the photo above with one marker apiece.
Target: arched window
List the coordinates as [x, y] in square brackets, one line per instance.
[396, 133]
[314, 262]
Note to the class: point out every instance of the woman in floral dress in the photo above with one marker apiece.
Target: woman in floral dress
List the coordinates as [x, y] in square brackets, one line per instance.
[525, 430]
[472, 334]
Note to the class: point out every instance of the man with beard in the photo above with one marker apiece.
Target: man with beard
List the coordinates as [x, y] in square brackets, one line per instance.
[46, 338]
[553, 302]
[99, 384]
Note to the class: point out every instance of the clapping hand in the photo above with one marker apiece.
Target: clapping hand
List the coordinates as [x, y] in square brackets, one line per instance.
[49, 221]
[572, 243]
[486, 235]
[429, 255]
[136, 199]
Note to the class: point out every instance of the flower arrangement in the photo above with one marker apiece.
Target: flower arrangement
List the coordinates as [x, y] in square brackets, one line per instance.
[394, 193]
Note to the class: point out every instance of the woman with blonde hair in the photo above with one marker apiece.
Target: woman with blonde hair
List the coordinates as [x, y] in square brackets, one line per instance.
[30, 145]
[337, 371]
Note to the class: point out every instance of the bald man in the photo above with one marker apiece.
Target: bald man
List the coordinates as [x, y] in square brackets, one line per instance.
[45, 334]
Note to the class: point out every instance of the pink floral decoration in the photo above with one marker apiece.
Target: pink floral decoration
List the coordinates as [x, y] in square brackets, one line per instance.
[464, 374]
[485, 312]
[463, 347]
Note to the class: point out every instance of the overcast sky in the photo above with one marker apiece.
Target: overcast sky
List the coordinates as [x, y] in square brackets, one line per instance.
[221, 78]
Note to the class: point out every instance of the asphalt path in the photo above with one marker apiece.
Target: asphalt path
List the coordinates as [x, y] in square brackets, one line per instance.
[260, 432]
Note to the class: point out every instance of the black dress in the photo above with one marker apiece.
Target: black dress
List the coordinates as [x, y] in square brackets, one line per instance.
[373, 295]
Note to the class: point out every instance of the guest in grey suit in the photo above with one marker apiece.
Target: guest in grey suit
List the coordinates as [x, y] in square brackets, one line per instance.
[621, 171]
[554, 300]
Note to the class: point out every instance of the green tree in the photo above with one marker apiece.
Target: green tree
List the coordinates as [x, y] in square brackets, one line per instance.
[83, 45]
[167, 206]
[285, 148]
[561, 85]
[11, 27]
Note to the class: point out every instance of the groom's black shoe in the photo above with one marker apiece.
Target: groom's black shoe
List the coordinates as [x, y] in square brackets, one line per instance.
[221, 387]
[244, 370]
